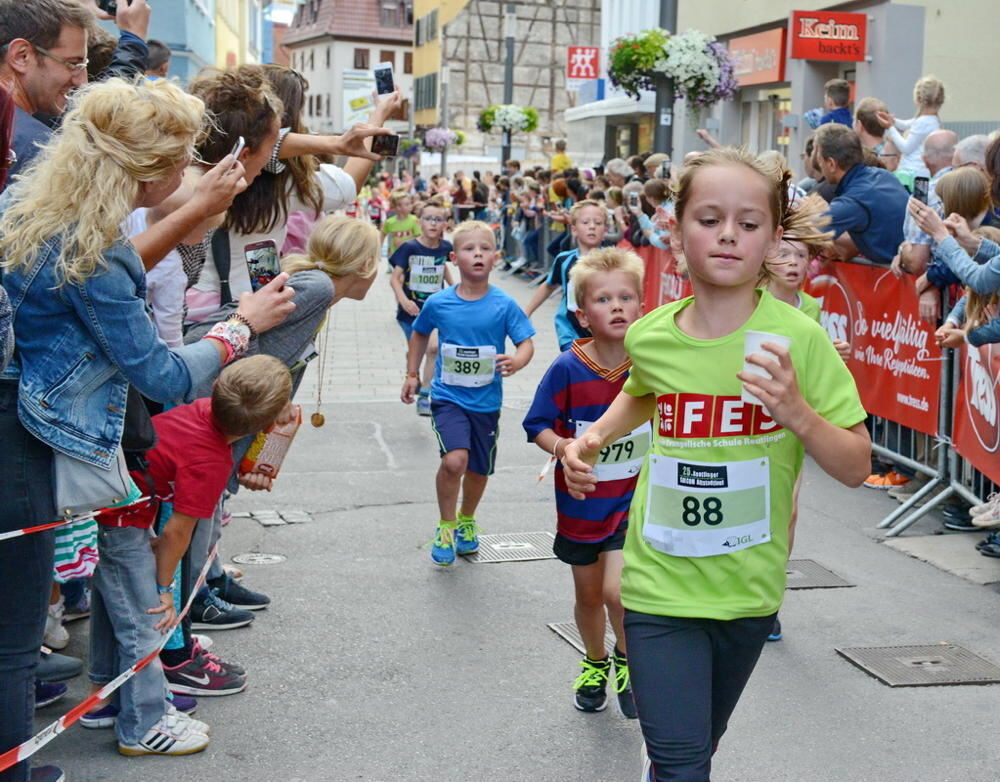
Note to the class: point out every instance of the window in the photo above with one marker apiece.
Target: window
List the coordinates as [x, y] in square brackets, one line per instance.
[407, 62]
[389, 15]
[387, 55]
[327, 56]
[426, 29]
[425, 92]
[361, 59]
[328, 105]
[312, 59]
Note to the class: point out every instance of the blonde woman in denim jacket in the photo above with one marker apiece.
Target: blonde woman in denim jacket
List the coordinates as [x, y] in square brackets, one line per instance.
[82, 331]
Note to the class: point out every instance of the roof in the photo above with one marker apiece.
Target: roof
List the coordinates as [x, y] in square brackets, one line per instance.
[352, 19]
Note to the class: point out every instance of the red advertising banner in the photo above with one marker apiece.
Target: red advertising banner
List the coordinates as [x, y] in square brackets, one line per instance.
[828, 35]
[894, 358]
[760, 58]
[975, 433]
[661, 282]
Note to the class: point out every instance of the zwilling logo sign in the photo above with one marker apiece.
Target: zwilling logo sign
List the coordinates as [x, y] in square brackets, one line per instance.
[828, 35]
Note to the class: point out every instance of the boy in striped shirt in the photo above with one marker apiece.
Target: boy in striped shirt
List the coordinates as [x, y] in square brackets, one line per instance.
[575, 391]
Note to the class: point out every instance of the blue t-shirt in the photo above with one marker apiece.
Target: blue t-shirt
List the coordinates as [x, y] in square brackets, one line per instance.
[841, 115]
[487, 321]
[568, 327]
[415, 253]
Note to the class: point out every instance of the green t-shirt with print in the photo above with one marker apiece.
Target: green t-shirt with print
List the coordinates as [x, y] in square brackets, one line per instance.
[718, 479]
[400, 230]
[809, 306]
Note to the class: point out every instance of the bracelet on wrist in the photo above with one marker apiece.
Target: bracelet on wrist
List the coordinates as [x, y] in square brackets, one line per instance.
[239, 316]
[164, 590]
[412, 374]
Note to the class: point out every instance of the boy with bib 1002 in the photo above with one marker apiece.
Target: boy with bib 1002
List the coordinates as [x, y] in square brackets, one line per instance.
[739, 386]
[575, 391]
[474, 321]
[419, 271]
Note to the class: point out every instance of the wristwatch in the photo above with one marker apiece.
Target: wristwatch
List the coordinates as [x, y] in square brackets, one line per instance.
[164, 590]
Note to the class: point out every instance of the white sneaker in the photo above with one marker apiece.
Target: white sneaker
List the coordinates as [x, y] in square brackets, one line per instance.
[194, 724]
[647, 766]
[56, 636]
[171, 735]
[991, 502]
[989, 519]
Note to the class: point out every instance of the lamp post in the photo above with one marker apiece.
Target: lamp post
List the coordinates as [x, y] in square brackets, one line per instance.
[445, 78]
[509, 32]
[663, 140]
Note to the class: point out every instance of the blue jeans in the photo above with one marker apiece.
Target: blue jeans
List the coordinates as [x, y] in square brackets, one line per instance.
[25, 572]
[121, 632]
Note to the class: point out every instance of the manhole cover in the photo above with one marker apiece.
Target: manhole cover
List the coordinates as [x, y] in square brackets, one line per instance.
[570, 634]
[258, 558]
[808, 574]
[514, 547]
[922, 666]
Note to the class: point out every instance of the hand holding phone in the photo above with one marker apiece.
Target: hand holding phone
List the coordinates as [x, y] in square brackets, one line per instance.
[386, 146]
[921, 188]
[384, 84]
[633, 200]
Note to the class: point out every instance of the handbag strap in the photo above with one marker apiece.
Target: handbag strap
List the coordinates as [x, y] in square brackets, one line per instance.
[222, 260]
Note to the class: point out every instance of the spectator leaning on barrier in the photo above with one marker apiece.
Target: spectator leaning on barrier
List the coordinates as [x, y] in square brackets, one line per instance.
[915, 251]
[869, 204]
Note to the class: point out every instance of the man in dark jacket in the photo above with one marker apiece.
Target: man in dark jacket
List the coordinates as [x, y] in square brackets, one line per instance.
[869, 204]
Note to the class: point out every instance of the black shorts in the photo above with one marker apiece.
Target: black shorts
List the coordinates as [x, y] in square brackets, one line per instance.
[573, 552]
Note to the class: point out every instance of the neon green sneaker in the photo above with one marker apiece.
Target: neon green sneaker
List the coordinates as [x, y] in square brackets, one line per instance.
[443, 547]
[592, 685]
[468, 536]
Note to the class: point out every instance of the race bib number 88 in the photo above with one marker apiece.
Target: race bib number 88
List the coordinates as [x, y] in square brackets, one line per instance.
[701, 509]
[472, 367]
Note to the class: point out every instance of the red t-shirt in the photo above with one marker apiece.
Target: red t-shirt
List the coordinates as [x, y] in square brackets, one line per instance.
[189, 466]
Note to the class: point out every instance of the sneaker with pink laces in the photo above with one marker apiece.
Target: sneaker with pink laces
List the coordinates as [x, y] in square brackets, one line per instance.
[201, 651]
[200, 677]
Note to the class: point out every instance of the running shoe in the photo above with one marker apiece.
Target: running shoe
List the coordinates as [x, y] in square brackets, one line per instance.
[990, 550]
[78, 610]
[210, 612]
[202, 677]
[993, 537]
[201, 651]
[238, 595]
[467, 536]
[889, 480]
[56, 637]
[203, 640]
[443, 546]
[988, 519]
[591, 685]
[423, 404]
[173, 734]
[775, 634]
[647, 766]
[956, 518]
[107, 716]
[908, 489]
[47, 693]
[623, 687]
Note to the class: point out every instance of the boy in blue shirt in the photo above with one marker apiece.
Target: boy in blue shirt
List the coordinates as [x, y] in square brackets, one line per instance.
[474, 320]
[419, 271]
[589, 224]
[576, 390]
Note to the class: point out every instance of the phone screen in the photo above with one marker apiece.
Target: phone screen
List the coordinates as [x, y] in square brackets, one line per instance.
[633, 199]
[262, 263]
[383, 79]
[386, 146]
[921, 188]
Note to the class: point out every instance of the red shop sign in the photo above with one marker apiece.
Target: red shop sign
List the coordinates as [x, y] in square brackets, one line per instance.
[828, 35]
[760, 58]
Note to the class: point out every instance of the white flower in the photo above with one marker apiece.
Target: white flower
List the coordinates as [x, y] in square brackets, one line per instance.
[510, 117]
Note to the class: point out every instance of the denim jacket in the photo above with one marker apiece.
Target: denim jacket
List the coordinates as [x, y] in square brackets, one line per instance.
[79, 346]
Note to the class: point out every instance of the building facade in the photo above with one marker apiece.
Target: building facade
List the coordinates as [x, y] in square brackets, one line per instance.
[239, 32]
[462, 42]
[335, 44]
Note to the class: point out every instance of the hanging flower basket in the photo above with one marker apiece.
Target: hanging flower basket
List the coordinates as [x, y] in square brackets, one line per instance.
[633, 58]
[506, 116]
[459, 138]
[701, 68]
[437, 139]
[409, 147]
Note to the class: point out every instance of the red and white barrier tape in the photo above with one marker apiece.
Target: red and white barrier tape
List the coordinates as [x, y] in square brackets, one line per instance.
[53, 524]
[39, 740]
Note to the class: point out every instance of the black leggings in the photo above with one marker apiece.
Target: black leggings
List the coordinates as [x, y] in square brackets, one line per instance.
[687, 675]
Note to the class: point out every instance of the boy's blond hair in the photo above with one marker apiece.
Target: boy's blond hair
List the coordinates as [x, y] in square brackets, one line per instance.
[250, 394]
[471, 226]
[397, 196]
[607, 259]
[339, 246]
[579, 206]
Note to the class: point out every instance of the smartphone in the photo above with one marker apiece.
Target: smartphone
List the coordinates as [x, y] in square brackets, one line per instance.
[262, 262]
[383, 78]
[633, 200]
[664, 170]
[238, 147]
[386, 146]
[110, 6]
[921, 188]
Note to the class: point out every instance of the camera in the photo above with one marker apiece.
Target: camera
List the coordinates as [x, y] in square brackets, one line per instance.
[386, 146]
[110, 6]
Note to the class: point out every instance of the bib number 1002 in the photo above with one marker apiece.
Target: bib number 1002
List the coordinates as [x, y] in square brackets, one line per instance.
[694, 511]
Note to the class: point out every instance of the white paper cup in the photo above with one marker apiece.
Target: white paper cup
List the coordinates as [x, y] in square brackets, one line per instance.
[752, 343]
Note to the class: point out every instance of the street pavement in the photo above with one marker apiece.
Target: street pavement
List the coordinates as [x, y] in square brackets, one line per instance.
[373, 664]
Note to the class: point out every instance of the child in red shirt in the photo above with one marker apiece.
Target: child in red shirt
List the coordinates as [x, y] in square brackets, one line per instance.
[133, 582]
